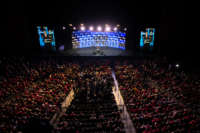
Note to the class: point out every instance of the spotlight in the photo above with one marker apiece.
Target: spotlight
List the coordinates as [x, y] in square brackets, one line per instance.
[91, 28]
[99, 28]
[107, 28]
[125, 29]
[115, 29]
[74, 28]
[82, 28]
[177, 65]
[64, 28]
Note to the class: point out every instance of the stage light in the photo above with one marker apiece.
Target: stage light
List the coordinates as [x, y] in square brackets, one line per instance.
[64, 28]
[70, 25]
[107, 28]
[82, 28]
[103, 36]
[91, 28]
[125, 29]
[106, 25]
[99, 28]
[74, 28]
[177, 65]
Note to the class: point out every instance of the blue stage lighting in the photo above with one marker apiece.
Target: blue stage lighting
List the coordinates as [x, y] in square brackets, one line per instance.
[88, 38]
[46, 37]
[147, 38]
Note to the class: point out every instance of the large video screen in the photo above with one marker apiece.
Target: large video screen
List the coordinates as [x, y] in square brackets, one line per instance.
[147, 37]
[84, 39]
[46, 37]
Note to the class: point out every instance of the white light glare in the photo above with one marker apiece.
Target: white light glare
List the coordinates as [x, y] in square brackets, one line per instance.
[177, 65]
[99, 28]
[91, 28]
[115, 29]
[82, 28]
[107, 28]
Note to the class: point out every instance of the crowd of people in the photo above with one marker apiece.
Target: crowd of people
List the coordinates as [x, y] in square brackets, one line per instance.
[38, 96]
[43, 86]
[17, 74]
[157, 96]
[93, 109]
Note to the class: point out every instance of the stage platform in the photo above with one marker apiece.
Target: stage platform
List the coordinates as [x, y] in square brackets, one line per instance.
[103, 51]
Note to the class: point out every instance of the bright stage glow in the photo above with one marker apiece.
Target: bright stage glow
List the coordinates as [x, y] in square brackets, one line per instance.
[82, 28]
[100, 36]
[64, 28]
[99, 28]
[74, 28]
[91, 28]
[107, 28]
[87, 38]
[177, 65]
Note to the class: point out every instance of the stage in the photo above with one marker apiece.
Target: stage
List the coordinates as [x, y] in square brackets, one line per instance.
[93, 51]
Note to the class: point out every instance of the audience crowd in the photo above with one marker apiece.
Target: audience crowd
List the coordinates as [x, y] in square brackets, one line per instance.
[157, 96]
[38, 95]
[93, 109]
[43, 86]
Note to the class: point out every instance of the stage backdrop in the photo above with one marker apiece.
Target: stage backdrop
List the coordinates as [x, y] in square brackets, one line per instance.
[85, 39]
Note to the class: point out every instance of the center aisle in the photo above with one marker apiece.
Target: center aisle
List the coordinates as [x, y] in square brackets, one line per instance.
[128, 125]
[93, 109]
